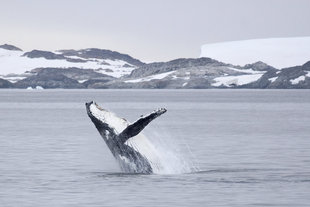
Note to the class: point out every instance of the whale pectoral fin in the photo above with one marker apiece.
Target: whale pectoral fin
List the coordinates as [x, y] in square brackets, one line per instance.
[135, 128]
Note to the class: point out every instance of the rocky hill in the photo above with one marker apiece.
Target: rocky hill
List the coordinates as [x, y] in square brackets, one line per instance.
[190, 73]
[62, 78]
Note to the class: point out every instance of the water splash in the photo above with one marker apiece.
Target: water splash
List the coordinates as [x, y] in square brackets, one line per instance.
[174, 156]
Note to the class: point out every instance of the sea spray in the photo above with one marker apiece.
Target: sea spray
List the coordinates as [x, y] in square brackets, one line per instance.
[174, 155]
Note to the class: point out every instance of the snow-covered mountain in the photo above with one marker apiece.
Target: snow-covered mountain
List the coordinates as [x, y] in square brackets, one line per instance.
[14, 63]
[97, 68]
[277, 52]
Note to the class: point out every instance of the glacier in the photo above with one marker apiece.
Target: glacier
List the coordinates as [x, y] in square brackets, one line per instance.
[277, 52]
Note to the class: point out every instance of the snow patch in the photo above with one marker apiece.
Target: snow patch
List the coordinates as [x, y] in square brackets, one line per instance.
[273, 79]
[12, 78]
[152, 77]
[75, 57]
[300, 78]
[236, 80]
[184, 78]
[297, 80]
[82, 81]
[250, 71]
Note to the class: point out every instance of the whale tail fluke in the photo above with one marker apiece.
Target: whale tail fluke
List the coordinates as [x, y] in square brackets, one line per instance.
[135, 128]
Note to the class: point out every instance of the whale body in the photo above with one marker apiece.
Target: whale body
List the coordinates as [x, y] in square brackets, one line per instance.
[133, 151]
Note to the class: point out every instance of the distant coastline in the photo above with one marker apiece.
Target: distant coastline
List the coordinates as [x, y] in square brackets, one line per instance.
[95, 68]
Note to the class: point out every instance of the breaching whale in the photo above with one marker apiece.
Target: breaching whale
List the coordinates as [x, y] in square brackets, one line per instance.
[132, 149]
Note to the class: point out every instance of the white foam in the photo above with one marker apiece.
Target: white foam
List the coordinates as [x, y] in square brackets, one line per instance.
[172, 159]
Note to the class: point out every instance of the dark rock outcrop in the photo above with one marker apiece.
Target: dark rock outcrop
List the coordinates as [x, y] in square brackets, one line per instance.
[43, 54]
[10, 47]
[101, 54]
[96, 83]
[182, 63]
[306, 66]
[286, 76]
[259, 66]
[62, 78]
[5, 83]
[50, 56]
[73, 73]
[47, 80]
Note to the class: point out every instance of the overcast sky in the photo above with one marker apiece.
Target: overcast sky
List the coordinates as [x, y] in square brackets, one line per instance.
[150, 30]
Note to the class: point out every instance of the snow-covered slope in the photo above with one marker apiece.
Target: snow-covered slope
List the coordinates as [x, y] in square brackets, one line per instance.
[248, 76]
[277, 52]
[16, 62]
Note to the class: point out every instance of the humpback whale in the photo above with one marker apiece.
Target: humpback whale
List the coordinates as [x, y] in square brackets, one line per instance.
[133, 151]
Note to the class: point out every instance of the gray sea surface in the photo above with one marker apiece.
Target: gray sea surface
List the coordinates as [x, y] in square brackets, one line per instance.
[244, 148]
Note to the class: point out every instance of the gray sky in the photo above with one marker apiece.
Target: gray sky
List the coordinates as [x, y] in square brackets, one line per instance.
[150, 30]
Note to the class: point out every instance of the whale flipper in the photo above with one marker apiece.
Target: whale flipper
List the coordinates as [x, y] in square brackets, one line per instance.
[135, 128]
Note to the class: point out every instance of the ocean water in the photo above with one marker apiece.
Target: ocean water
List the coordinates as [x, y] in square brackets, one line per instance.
[224, 148]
